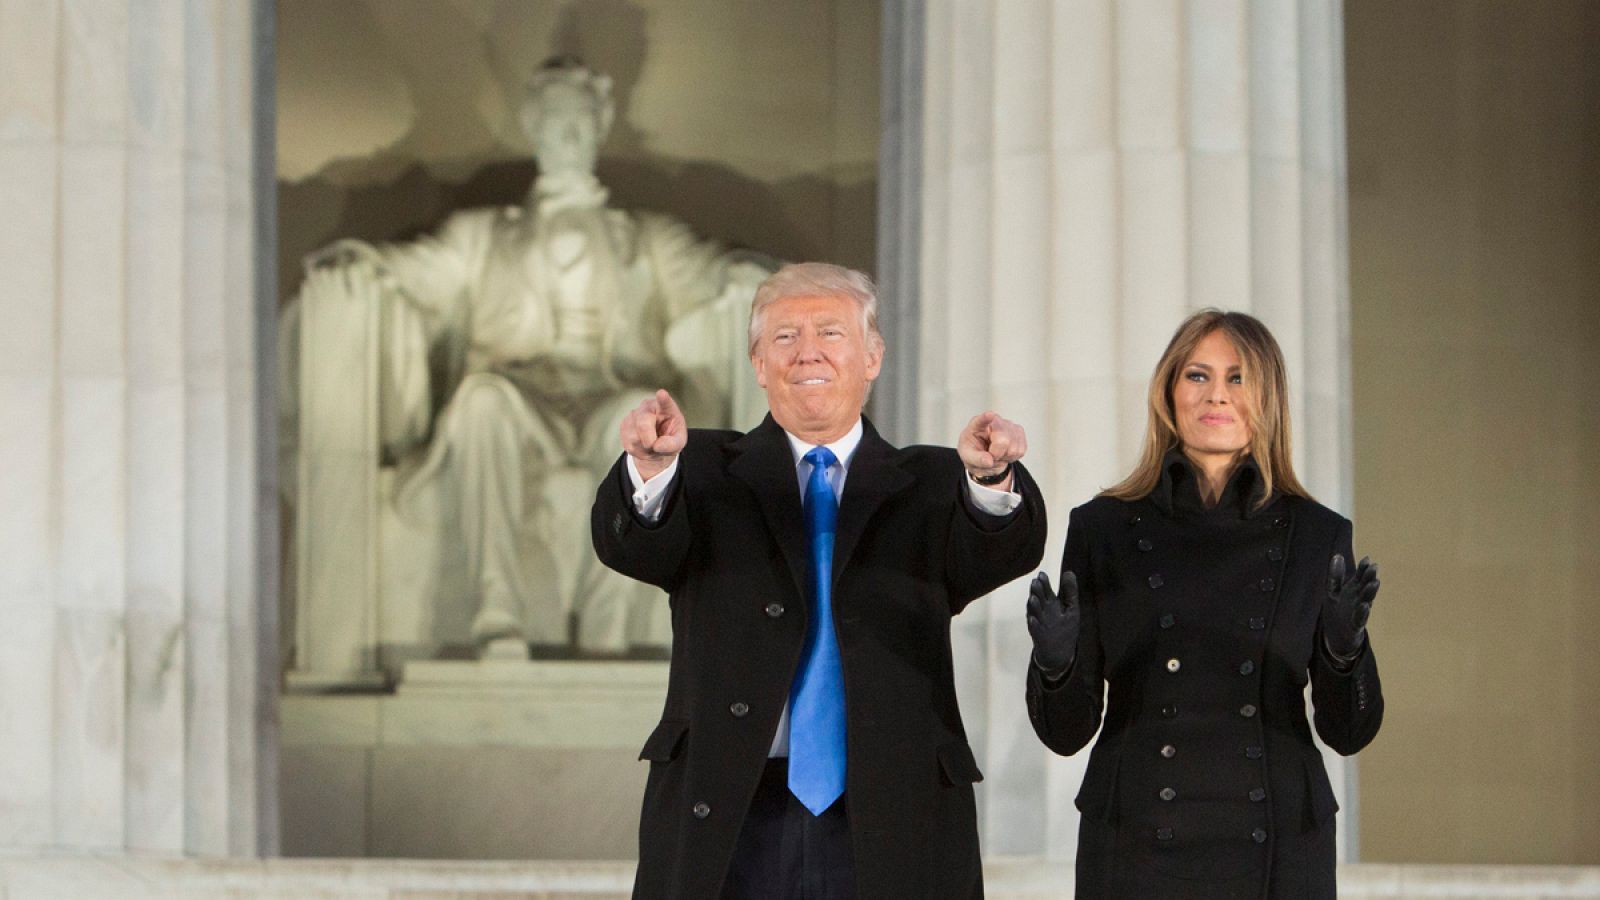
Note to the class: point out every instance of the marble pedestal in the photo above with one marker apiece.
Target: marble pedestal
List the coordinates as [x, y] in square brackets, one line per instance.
[495, 759]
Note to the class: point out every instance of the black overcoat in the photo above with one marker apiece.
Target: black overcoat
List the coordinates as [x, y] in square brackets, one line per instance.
[1202, 624]
[730, 549]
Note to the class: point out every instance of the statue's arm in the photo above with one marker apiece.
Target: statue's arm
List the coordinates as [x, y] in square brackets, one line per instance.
[434, 274]
[401, 307]
[707, 290]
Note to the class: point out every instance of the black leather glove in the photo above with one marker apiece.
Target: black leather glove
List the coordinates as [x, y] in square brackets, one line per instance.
[1053, 623]
[1346, 607]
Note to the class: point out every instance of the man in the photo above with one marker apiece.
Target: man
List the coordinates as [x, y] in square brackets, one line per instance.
[811, 745]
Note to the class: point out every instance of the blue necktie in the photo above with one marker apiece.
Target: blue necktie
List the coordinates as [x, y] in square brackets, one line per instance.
[816, 700]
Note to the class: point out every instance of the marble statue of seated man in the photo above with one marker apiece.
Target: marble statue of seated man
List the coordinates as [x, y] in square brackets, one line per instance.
[513, 341]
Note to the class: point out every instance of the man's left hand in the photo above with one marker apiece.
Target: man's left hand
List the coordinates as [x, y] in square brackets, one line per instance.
[989, 445]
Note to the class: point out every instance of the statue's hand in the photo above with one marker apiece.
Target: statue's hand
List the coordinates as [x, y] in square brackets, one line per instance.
[989, 445]
[343, 253]
[654, 433]
[349, 271]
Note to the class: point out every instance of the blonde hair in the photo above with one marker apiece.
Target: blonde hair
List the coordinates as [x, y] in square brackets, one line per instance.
[1267, 404]
[814, 279]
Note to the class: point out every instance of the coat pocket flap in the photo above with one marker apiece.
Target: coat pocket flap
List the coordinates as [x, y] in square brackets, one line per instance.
[957, 764]
[1097, 795]
[665, 742]
[1320, 802]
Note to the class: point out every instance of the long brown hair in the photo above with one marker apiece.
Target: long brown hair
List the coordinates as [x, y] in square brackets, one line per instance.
[1266, 389]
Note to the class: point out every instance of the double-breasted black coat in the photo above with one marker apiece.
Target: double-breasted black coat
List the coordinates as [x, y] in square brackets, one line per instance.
[730, 549]
[1202, 625]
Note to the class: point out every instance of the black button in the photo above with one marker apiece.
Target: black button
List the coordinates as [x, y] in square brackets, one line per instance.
[1258, 624]
[1258, 794]
[1248, 710]
[616, 524]
[1252, 753]
[1170, 710]
[702, 809]
[1280, 522]
[1135, 520]
[1266, 585]
[1163, 833]
[1259, 835]
[1144, 544]
[1168, 620]
[1156, 581]
[739, 709]
[774, 609]
[1246, 667]
[1168, 794]
[1169, 751]
[1274, 554]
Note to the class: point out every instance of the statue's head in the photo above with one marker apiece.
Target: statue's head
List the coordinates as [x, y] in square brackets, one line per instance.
[567, 114]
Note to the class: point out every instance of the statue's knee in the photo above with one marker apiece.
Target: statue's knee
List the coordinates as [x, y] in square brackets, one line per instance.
[484, 396]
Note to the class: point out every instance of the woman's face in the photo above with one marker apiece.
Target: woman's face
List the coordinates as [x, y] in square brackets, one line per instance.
[1209, 400]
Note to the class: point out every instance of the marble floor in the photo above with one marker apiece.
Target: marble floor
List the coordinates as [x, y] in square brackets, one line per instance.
[79, 877]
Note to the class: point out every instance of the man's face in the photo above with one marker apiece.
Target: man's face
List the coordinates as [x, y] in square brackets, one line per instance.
[815, 362]
[566, 131]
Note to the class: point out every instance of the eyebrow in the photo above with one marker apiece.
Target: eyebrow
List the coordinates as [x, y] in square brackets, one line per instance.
[1206, 366]
[820, 322]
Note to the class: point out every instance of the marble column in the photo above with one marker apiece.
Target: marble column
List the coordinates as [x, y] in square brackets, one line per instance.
[1092, 171]
[128, 481]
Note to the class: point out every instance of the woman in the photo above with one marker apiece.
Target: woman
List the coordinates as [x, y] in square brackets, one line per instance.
[1205, 590]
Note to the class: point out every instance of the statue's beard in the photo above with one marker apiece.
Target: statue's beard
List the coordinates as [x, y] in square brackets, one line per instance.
[568, 188]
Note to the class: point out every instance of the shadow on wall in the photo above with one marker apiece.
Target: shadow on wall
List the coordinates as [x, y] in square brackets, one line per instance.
[404, 190]
[716, 201]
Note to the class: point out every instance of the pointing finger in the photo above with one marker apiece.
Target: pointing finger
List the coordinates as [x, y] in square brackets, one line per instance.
[666, 406]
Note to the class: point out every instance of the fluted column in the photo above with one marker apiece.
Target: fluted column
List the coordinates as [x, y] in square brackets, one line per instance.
[128, 483]
[1093, 170]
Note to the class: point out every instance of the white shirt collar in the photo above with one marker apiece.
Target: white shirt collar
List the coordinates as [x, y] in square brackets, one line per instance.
[843, 448]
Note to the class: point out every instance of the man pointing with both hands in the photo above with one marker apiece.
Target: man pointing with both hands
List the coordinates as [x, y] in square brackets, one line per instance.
[810, 745]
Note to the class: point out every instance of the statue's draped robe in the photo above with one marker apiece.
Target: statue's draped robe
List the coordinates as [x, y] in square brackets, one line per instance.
[512, 342]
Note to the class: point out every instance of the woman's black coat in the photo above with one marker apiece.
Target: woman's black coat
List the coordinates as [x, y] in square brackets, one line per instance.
[1203, 625]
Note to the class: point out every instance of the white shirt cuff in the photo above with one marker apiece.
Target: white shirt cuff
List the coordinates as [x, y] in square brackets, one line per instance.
[650, 497]
[991, 501]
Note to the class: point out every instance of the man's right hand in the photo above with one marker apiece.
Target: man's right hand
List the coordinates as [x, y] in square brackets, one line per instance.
[653, 433]
[1053, 623]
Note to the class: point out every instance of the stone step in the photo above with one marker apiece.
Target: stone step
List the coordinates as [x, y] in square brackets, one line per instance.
[136, 878]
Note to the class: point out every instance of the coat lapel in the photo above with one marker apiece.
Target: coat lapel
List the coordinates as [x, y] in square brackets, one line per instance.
[766, 465]
[873, 478]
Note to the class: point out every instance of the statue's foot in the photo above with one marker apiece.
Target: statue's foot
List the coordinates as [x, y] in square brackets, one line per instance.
[504, 648]
[499, 636]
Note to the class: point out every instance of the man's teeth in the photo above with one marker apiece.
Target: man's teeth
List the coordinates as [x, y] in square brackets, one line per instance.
[815, 381]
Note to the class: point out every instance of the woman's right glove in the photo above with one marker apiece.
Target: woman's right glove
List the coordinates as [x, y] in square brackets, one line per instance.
[1053, 622]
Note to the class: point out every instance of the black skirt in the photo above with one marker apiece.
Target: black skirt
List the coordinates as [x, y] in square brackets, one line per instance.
[1109, 868]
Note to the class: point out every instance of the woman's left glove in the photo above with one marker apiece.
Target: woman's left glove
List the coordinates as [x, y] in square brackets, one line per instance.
[1346, 607]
